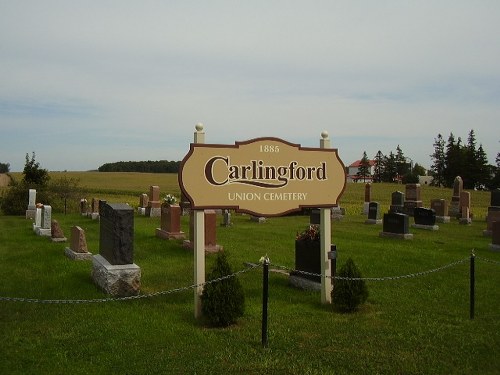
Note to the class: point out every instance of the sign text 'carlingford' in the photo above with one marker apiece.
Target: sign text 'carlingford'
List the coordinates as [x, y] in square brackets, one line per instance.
[264, 176]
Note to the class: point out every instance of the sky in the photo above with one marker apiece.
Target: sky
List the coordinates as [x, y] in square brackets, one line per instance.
[83, 83]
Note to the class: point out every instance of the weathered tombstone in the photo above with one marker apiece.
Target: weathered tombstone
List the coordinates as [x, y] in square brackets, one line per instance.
[397, 202]
[113, 268]
[94, 209]
[495, 236]
[494, 202]
[440, 206]
[57, 234]
[83, 207]
[45, 226]
[78, 245]
[490, 219]
[337, 213]
[31, 211]
[425, 218]
[373, 214]
[170, 223]
[257, 219]
[413, 199]
[226, 218]
[368, 197]
[396, 225]
[38, 219]
[211, 245]
[466, 217]
[154, 204]
[185, 204]
[143, 204]
[458, 186]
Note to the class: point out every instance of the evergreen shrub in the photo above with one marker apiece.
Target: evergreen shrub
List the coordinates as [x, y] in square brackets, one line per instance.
[347, 295]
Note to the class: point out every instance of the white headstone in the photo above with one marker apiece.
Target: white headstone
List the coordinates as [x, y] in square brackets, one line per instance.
[46, 216]
[32, 199]
[38, 219]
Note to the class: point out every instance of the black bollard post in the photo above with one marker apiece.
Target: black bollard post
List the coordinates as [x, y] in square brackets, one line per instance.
[472, 283]
[265, 296]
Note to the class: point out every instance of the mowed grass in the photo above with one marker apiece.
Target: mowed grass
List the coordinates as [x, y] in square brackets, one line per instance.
[412, 325]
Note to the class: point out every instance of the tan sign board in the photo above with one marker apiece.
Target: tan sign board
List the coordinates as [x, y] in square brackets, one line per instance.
[263, 176]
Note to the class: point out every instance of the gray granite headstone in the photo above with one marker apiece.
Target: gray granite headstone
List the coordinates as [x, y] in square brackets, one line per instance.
[116, 242]
[397, 202]
[396, 223]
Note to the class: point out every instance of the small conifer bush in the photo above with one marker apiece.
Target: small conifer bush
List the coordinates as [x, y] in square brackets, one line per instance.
[347, 295]
[223, 302]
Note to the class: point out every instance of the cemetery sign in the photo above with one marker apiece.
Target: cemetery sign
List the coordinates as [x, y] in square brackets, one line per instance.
[262, 176]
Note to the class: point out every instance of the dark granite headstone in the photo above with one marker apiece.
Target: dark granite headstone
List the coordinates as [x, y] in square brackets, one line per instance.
[495, 236]
[424, 216]
[495, 198]
[396, 223]
[374, 211]
[397, 202]
[314, 217]
[116, 242]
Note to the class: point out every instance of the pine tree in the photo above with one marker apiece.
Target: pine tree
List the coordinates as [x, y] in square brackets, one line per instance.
[439, 162]
[347, 293]
[364, 167]
[483, 173]
[401, 165]
[379, 167]
[390, 170]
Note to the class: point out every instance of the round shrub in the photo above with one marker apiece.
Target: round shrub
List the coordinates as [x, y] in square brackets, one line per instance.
[348, 294]
[223, 302]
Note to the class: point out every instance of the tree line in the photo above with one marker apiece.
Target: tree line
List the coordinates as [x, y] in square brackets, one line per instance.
[467, 160]
[157, 166]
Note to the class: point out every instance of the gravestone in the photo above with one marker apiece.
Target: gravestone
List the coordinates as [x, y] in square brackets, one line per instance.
[143, 204]
[337, 213]
[425, 218]
[440, 206]
[490, 219]
[38, 219]
[413, 199]
[226, 219]
[396, 225]
[83, 207]
[494, 202]
[368, 198]
[78, 245]
[154, 204]
[458, 186]
[374, 214]
[397, 202]
[57, 234]
[466, 217]
[94, 209]
[185, 204]
[113, 269]
[314, 217]
[31, 211]
[170, 223]
[211, 245]
[257, 219]
[495, 236]
[45, 228]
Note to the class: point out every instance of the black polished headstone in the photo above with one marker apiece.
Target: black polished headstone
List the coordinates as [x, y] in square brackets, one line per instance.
[396, 223]
[116, 241]
[397, 202]
[424, 216]
[495, 198]
[373, 211]
[314, 217]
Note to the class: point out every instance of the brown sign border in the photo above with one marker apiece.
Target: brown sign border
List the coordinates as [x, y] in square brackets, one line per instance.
[236, 145]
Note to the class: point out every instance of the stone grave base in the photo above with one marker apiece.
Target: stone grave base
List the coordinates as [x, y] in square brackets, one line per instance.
[258, 219]
[31, 214]
[443, 219]
[365, 208]
[58, 239]
[208, 248]
[47, 232]
[141, 211]
[426, 227]
[73, 255]
[117, 280]
[402, 236]
[465, 220]
[487, 233]
[373, 221]
[153, 211]
[303, 283]
[35, 228]
[94, 215]
[494, 247]
[160, 233]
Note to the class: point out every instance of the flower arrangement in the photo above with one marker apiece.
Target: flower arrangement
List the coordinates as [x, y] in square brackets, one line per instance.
[169, 199]
[312, 233]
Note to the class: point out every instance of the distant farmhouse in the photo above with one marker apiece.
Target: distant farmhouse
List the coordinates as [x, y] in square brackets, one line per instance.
[353, 169]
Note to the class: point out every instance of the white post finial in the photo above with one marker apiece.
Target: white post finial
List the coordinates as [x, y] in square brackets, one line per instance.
[199, 134]
[199, 127]
[324, 134]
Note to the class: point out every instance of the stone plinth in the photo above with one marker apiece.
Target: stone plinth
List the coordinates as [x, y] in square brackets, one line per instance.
[401, 236]
[117, 280]
[78, 249]
[426, 227]
[73, 255]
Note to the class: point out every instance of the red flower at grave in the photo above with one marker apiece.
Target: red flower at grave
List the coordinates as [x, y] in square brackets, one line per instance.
[312, 233]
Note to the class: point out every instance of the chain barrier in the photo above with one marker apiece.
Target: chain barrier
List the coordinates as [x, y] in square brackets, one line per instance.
[488, 260]
[411, 275]
[140, 296]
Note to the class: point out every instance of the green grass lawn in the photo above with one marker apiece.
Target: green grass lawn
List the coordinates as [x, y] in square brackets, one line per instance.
[411, 325]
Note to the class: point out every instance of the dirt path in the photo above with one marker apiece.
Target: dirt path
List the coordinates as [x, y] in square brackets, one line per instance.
[4, 180]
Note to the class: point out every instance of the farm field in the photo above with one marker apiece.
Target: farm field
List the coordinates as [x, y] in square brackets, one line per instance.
[417, 324]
